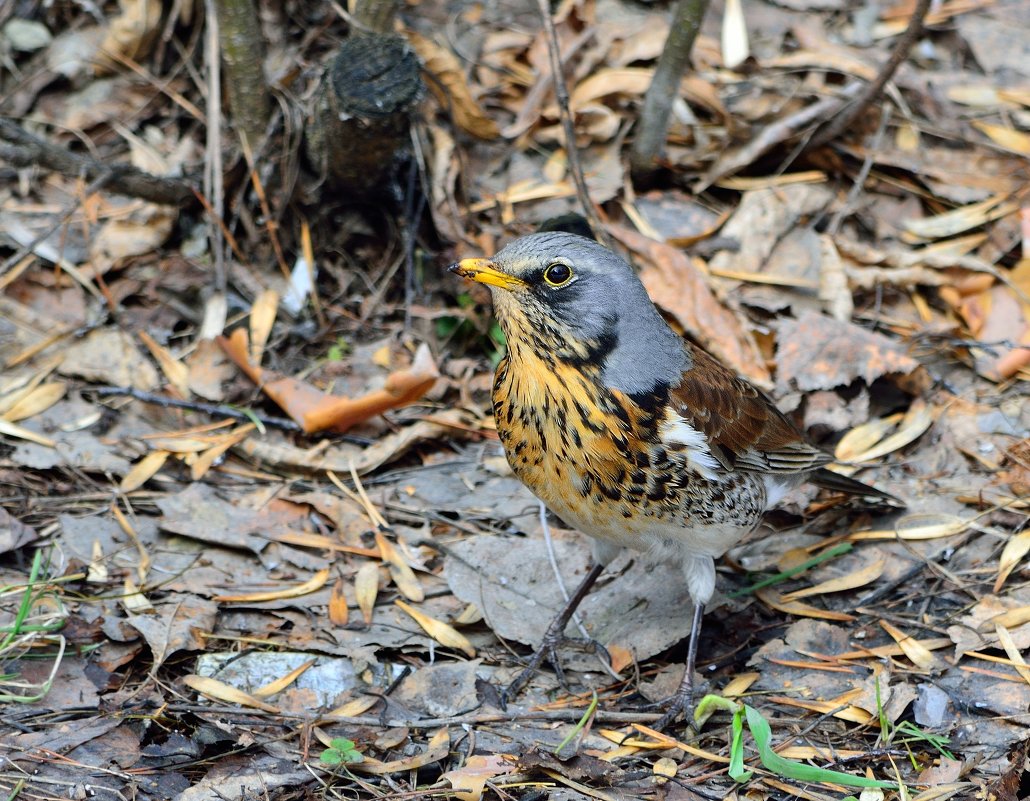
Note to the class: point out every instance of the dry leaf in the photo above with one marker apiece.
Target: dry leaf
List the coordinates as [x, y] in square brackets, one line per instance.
[366, 589]
[355, 707]
[16, 431]
[221, 691]
[206, 460]
[664, 768]
[443, 633]
[438, 748]
[313, 410]
[403, 576]
[963, 218]
[469, 781]
[262, 318]
[918, 654]
[339, 613]
[277, 686]
[1008, 138]
[855, 714]
[850, 581]
[917, 420]
[1012, 554]
[916, 527]
[447, 82]
[36, 401]
[175, 371]
[143, 471]
[863, 437]
[1012, 651]
[735, 48]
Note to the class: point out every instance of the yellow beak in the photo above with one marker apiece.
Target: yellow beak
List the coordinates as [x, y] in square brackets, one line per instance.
[485, 272]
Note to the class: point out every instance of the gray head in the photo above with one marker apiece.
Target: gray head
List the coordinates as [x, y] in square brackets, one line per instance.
[568, 298]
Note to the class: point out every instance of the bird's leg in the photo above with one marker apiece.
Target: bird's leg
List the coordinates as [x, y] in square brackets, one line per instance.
[683, 699]
[553, 637]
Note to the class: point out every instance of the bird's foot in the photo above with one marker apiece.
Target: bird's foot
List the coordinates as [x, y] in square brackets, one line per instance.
[548, 652]
[675, 706]
[679, 703]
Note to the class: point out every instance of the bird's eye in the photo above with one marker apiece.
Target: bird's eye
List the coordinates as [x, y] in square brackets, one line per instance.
[558, 274]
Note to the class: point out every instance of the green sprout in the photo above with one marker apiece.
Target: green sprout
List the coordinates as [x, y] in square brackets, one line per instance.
[341, 751]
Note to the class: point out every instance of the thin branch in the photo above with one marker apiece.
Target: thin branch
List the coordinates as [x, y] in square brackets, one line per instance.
[649, 139]
[860, 179]
[839, 124]
[561, 93]
[28, 150]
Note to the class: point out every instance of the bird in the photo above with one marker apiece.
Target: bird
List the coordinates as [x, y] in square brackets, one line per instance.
[626, 430]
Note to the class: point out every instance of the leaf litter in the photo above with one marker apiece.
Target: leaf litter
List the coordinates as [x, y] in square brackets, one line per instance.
[211, 603]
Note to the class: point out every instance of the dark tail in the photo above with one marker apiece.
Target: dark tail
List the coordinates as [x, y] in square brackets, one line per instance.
[827, 479]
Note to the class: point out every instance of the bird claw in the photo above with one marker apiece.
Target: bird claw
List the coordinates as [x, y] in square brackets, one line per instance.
[548, 652]
[674, 707]
[679, 703]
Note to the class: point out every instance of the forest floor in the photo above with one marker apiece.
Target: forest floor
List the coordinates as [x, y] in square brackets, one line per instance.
[200, 600]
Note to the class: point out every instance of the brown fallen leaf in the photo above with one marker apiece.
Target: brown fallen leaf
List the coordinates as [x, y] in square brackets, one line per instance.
[469, 781]
[313, 410]
[447, 82]
[817, 352]
[175, 371]
[918, 654]
[339, 613]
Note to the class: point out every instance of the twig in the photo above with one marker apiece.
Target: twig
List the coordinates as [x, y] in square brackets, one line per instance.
[841, 122]
[213, 187]
[27, 150]
[863, 173]
[773, 134]
[561, 715]
[649, 138]
[561, 94]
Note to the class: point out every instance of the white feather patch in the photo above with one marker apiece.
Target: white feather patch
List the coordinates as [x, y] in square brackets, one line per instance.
[699, 454]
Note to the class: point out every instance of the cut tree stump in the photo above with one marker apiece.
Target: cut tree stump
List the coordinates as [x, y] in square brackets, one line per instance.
[359, 132]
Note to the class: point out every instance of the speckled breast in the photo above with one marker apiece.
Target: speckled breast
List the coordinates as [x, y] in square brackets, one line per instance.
[595, 458]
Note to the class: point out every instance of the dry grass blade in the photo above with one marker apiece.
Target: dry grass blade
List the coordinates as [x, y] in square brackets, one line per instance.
[313, 584]
[772, 599]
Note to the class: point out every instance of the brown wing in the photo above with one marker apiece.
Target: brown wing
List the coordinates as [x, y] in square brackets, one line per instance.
[744, 429]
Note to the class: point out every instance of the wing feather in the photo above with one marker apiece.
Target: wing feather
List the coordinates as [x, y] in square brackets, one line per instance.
[744, 430]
